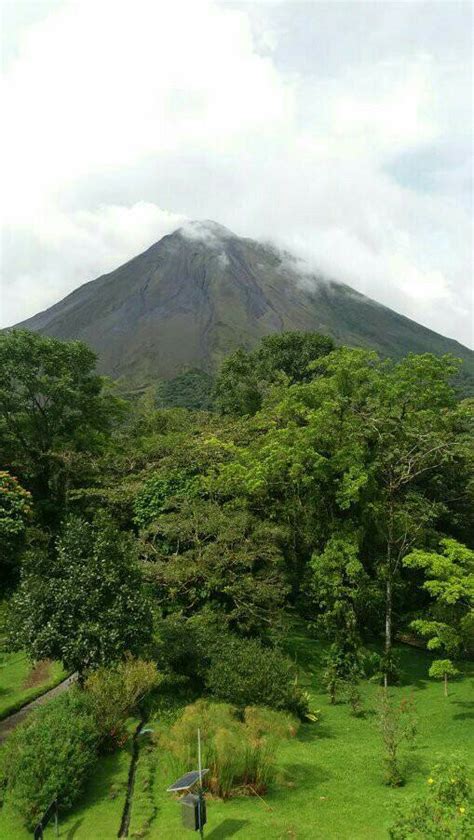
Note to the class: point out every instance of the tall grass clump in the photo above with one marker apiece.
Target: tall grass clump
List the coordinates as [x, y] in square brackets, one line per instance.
[240, 749]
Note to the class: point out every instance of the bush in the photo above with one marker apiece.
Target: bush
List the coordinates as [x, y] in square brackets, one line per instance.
[50, 756]
[397, 725]
[236, 670]
[446, 812]
[115, 692]
[244, 673]
[240, 752]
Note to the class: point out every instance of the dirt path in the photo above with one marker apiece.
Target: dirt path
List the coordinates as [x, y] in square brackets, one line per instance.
[10, 723]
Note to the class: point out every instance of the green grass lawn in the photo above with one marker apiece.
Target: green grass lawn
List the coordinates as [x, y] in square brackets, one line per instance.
[330, 775]
[15, 669]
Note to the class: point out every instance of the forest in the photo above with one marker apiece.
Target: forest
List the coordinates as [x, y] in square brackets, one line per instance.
[291, 570]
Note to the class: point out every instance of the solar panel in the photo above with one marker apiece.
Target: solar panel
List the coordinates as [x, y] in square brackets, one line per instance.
[187, 781]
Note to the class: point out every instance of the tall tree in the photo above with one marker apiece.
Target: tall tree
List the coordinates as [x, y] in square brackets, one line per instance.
[449, 622]
[53, 406]
[205, 555]
[85, 605]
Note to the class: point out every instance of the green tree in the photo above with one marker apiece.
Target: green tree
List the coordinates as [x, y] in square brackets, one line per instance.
[202, 554]
[449, 580]
[53, 406]
[85, 605]
[414, 437]
[246, 376]
[15, 513]
[441, 669]
[339, 582]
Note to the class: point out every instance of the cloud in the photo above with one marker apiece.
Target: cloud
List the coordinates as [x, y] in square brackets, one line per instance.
[339, 133]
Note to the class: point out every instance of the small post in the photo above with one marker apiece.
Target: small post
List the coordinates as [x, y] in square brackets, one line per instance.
[201, 796]
[56, 828]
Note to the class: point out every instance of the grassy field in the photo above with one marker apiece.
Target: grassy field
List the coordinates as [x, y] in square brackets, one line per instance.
[20, 683]
[330, 775]
[330, 782]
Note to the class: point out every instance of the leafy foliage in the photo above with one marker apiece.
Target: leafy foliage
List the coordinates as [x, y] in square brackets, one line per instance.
[158, 490]
[192, 389]
[15, 513]
[245, 377]
[53, 407]
[244, 672]
[202, 553]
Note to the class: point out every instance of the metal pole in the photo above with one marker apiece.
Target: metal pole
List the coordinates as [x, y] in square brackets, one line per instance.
[201, 827]
[199, 759]
[56, 819]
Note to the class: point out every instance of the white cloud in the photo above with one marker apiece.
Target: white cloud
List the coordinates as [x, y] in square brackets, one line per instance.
[119, 109]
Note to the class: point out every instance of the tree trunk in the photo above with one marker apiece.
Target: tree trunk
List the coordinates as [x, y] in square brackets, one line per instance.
[388, 625]
[445, 685]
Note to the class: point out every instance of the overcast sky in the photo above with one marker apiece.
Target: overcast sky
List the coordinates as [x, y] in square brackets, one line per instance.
[340, 130]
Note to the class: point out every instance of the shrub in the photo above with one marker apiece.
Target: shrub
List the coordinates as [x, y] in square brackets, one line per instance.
[236, 670]
[240, 751]
[446, 811]
[353, 697]
[397, 724]
[243, 672]
[50, 756]
[115, 692]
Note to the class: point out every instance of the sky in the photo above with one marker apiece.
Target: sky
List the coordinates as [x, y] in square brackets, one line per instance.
[341, 131]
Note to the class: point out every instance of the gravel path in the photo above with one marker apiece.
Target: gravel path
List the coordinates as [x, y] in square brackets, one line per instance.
[10, 723]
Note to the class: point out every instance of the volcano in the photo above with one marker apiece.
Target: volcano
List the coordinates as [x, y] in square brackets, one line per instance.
[201, 292]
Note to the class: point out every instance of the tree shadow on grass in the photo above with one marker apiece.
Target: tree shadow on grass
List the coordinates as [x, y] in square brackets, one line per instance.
[304, 775]
[414, 763]
[108, 781]
[310, 732]
[468, 705]
[227, 828]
